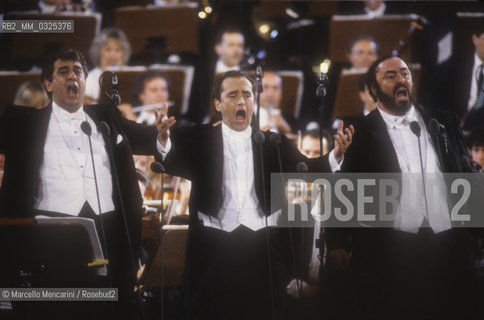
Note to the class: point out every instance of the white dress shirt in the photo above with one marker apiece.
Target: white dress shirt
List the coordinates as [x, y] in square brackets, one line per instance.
[474, 77]
[221, 67]
[66, 174]
[147, 117]
[380, 12]
[240, 203]
[412, 209]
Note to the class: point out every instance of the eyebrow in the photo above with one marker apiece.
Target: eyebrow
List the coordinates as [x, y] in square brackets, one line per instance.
[394, 72]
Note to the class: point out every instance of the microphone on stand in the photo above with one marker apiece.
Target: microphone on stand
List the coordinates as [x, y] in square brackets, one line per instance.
[86, 128]
[259, 88]
[321, 93]
[416, 130]
[114, 97]
[104, 129]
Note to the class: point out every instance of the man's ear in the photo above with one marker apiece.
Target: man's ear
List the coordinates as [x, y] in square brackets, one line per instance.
[474, 39]
[216, 102]
[48, 85]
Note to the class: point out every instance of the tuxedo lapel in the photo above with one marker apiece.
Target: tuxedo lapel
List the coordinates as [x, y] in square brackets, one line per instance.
[256, 151]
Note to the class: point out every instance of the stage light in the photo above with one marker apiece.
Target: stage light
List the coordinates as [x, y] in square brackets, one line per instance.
[264, 28]
[274, 34]
[202, 14]
[324, 66]
[208, 9]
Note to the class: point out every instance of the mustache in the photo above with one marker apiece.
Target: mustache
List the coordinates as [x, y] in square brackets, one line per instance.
[398, 86]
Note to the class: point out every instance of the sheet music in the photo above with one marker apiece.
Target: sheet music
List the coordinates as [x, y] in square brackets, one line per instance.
[91, 230]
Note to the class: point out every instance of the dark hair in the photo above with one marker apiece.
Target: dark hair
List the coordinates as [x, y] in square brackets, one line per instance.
[64, 54]
[142, 79]
[371, 73]
[314, 133]
[476, 138]
[220, 34]
[217, 87]
[352, 42]
[478, 28]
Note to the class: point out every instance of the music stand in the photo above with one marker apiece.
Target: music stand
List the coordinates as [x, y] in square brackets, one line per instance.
[45, 255]
[387, 32]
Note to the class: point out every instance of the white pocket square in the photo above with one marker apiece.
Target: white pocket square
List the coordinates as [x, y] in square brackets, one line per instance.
[119, 139]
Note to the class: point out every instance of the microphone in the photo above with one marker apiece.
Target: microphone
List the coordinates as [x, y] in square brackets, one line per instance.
[259, 138]
[115, 97]
[415, 127]
[87, 129]
[258, 77]
[157, 167]
[301, 167]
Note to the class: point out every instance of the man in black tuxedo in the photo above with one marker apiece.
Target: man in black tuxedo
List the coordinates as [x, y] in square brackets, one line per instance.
[48, 166]
[462, 92]
[233, 256]
[417, 269]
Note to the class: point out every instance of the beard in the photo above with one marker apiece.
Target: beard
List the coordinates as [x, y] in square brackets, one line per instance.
[390, 101]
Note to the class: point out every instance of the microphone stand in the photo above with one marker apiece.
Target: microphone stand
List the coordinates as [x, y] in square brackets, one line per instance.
[276, 140]
[87, 129]
[260, 140]
[321, 93]
[259, 88]
[106, 132]
[157, 167]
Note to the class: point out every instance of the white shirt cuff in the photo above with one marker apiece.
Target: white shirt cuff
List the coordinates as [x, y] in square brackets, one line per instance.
[164, 150]
[333, 164]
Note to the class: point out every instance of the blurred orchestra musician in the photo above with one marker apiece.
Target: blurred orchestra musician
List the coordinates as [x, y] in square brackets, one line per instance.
[361, 52]
[229, 48]
[110, 49]
[457, 83]
[31, 94]
[271, 117]
[150, 88]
